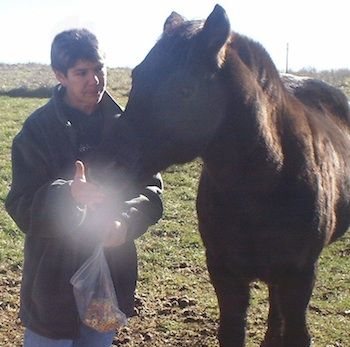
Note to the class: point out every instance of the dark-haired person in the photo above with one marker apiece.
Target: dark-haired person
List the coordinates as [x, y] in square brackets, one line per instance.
[59, 209]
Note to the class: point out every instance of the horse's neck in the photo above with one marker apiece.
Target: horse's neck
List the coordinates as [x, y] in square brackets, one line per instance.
[248, 146]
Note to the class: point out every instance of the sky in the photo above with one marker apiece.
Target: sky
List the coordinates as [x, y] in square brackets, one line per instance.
[317, 32]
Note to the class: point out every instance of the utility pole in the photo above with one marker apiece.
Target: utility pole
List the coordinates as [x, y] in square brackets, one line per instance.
[287, 54]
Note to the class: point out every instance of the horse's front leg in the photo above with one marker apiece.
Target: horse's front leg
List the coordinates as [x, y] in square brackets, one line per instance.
[233, 298]
[295, 291]
[273, 336]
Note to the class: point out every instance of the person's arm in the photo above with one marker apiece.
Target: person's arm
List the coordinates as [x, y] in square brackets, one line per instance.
[145, 208]
[39, 203]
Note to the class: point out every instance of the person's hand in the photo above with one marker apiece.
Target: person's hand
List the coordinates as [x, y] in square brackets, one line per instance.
[83, 192]
[115, 234]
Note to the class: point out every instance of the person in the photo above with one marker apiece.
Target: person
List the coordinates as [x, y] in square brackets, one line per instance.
[57, 206]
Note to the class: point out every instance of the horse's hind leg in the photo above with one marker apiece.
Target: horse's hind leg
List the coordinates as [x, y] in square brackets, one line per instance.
[294, 291]
[273, 336]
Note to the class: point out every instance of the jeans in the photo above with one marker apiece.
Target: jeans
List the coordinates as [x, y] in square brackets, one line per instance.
[88, 338]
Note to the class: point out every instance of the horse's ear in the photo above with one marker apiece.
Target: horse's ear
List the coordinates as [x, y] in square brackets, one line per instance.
[173, 21]
[216, 30]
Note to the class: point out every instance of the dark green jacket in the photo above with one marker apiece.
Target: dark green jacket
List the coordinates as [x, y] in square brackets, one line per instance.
[59, 234]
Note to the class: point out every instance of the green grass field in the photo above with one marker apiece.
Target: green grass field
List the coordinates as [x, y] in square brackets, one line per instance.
[176, 303]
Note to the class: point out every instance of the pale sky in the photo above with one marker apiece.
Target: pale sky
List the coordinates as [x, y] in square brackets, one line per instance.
[316, 31]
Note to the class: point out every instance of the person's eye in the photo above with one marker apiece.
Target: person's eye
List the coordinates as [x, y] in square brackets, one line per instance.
[81, 73]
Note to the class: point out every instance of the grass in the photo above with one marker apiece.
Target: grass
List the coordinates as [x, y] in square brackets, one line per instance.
[176, 303]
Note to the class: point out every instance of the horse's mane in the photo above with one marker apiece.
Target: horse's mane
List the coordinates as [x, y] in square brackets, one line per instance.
[258, 61]
[311, 92]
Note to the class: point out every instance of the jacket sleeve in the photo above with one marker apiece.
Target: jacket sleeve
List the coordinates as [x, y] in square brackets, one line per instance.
[39, 203]
[144, 209]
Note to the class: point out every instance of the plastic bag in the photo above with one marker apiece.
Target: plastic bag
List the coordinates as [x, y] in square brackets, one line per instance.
[95, 294]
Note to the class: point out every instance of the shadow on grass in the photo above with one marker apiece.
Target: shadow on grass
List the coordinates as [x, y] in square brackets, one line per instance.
[24, 92]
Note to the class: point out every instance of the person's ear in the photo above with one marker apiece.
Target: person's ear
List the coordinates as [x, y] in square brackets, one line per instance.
[61, 77]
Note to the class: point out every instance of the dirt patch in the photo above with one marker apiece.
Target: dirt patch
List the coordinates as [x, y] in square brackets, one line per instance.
[11, 330]
[158, 322]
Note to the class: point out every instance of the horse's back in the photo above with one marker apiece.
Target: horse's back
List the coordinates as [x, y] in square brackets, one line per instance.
[319, 95]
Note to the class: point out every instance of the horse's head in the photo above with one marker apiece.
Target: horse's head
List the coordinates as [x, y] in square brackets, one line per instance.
[198, 84]
[178, 96]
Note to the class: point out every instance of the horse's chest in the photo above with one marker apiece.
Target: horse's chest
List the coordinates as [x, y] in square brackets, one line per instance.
[255, 234]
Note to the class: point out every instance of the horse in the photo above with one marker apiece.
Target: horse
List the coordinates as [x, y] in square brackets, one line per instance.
[274, 188]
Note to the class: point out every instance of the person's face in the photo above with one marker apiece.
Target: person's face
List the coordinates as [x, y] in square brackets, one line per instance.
[85, 84]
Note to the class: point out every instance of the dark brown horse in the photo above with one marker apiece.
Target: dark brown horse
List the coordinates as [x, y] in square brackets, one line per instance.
[275, 185]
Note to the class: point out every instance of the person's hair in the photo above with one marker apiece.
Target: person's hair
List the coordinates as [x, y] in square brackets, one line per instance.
[72, 45]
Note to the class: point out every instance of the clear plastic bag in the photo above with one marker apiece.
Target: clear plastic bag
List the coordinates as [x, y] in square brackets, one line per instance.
[95, 294]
